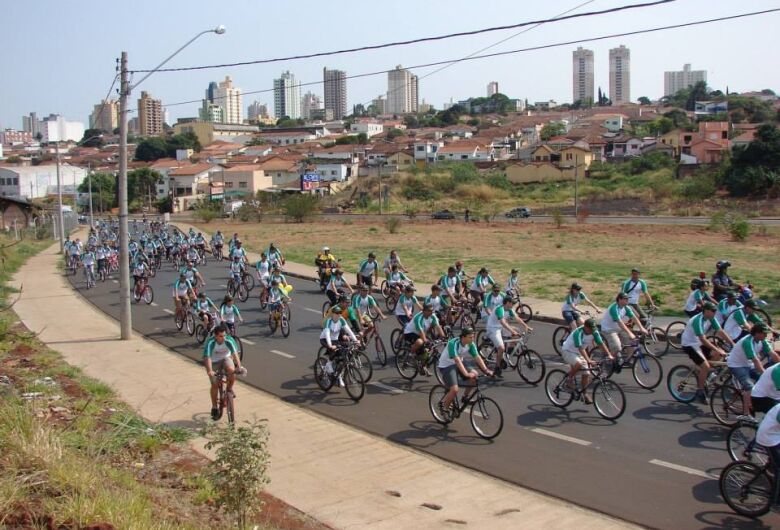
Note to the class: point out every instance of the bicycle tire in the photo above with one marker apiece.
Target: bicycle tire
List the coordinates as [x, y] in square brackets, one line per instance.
[365, 366]
[511, 355]
[742, 446]
[249, 281]
[190, 323]
[406, 363]
[482, 412]
[284, 324]
[353, 383]
[525, 313]
[560, 334]
[243, 293]
[438, 374]
[655, 342]
[556, 391]
[531, 367]
[230, 407]
[272, 323]
[148, 295]
[326, 307]
[741, 481]
[647, 370]
[240, 347]
[479, 339]
[674, 333]
[381, 351]
[324, 380]
[152, 272]
[764, 316]
[435, 396]
[137, 296]
[682, 383]
[221, 401]
[390, 303]
[726, 403]
[179, 321]
[200, 333]
[383, 290]
[231, 288]
[466, 321]
[396, 336]
[609, 400]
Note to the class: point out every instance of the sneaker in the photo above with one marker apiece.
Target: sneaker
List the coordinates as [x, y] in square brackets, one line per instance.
[503, 364]
[442, 410]
[215, 414]
[746, 418]
[701, 397]
[341, 382]
[425, 371]
[497, 373]
[329, 368]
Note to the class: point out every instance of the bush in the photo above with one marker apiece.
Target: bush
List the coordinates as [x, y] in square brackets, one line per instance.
[649, 162]
[300, 207]
[392, 224]
[464, 172]
[411, 211]
[557, 217]
[718, 221]
[698, 187]
[739, 228]
[247, 213]
[417, 188]
[206, 212]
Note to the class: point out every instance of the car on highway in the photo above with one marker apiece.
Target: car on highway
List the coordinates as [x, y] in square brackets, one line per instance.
[443, 214]
[521, 212]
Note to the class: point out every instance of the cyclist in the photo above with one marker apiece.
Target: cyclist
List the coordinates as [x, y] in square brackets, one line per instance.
[766, 391]
[182, 291]
[236, 270]
[363, 303]
[498, 321]
[347, 312]
[417, 329]
[275, 255]
[221, 352]
[462, 276]
[451, 366]
[404, 309]
[368, 271]
[727, 305]
[337, 285]
[229, 312]
[391, 260]
[396, 280]
[513, 283]
[493, 299]
[325, 262]
[698, 296]
[450, 282]
[74, 250]
[437, 301]
[636, 288]
[570, 304]
[263, 273]
[192, 275]
[613, 324]
[205, 308]
[88, 259]
[699, 348]
[238, 252]
[335, 328]
[480, 284]
[740, 321]
[744, 360]
[721, 281]
[218, 241]
[139, 272]
[101, 253]
[575, 352]
[276, 274]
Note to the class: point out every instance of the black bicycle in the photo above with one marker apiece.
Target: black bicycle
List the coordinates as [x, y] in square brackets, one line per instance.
[747, 487]
[485, 415]
[529, 364]
[607, 397]
[343, 369]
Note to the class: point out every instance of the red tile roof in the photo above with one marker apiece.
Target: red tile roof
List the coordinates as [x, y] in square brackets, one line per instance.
[192, 170]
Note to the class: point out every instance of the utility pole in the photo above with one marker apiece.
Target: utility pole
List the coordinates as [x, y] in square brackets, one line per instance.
[576, 187]
[380, 187]
[89, 182]
[61, 217]
[125, 315]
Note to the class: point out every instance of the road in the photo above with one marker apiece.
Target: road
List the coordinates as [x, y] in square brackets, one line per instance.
[656, 466]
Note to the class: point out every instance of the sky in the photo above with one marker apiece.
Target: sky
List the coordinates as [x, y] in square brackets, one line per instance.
[60, 57]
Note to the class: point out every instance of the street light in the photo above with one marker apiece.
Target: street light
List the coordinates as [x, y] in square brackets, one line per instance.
[125, 315]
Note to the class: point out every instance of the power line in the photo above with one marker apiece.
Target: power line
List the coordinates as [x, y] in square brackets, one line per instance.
[414, 41]
[105, 99]
[521, 50]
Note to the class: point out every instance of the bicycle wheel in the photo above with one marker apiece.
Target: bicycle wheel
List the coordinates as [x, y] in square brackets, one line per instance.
[531, 367]
[406, 363]
[384, 290]
[746, 488]
[726, 403]
[390, 303]
[249, 281]
[681, 383]
[240, 347]
[325, 307]
[674, 333]
[273, 323]
[243, 292]
[524, 312]
[655, 342]
[221, 400]
[363, 363]
[324, 380]
[380, 350]
[353, 383]
[285, 325]
[741, 444]
[230, 407]
[556, 389]
[189, 322]
[609, 399]
[395, 340]
[137, 296]
[201, 334]
[152, 272]
[647, 370]
[560, 334]
[148, 295]
[231, 288]
[512, 355]
[486, 417]
[764, 316]
[178, 320]
[435, 397]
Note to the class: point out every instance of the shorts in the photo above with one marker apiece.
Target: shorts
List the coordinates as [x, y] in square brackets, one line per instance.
[698, 355]
[366, 280]
[495, 337]
[744, 376]
[762, 404]
[637, 309]
[693, 313]
[226, 363]
[411, 337]
[451, 376]
[615, 340]
[402, 319]
[570, 316]
[574, 359]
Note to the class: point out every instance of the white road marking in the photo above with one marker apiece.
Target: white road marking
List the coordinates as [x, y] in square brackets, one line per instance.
[684, 469]
[247, 341]
[389, 388]
[115, 281]
[223, 285]
[154, 304]
[553, 434]
[285, 355]
[168, 311]
[313, 310]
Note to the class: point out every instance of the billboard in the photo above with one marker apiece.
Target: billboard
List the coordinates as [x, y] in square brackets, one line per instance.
[310, 181]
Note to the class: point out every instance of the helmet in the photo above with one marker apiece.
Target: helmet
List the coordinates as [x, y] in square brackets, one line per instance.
[751, 304]
[496, 287]
[731, 293]
[201, 295]
[636, 270]
[336, 309]
[621, 296]
[427, 307]
[343, 298]
[709, 306]
[590, 323]
[575, 285]
[326, 249]
[466, 332]
[722, 264]
[697, 283]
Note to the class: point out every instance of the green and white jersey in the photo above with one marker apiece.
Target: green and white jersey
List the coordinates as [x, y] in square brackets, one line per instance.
[263, 268]
[363, 303]
[332, 329]
[579, 339]
[481, 282]
[497, 315]
[634, 289]
[570, 302]
[420, 324]
[493, 301]
[437, 302]
[768, 433]
[189, 273]
[768, 385]
[229, 313]
[512, 284]
[447, 282]
[394, 278]
[695, 298]
[737, 319]
[615, 314]
[747, 349]
[278, 277]
[724, 310]
[219, 352]
[405, 303]
[696, 327]
[455, 348]
[367, 267]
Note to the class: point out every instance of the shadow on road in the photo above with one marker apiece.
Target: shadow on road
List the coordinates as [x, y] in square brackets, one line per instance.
[668, 410]
[308, 393]
[716, 520]
[705, 435]
[423, 434]
[543, 415]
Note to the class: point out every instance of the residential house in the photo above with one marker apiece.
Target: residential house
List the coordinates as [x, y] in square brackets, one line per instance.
[715, 131]
[545, 153]
[624, 147]
[559, 142]
[613, 124]
[184, 182]
[244, 180]
[401, 160]
[578, 155]
[707, 151]
[283, 173]
[333, 170]
[744, 139]
[656, 146]
[672, 138]
[708, 145]
[347, 153]
[465, 150]
[460, 130]
[287, 137]
[538, 172]
[427, 151]
[208, 132]
[598, 146]
[368, 127]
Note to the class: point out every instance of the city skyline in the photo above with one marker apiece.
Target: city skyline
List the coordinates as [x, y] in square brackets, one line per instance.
[76, 97]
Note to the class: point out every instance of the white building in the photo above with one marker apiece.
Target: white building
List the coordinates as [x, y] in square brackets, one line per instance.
[310, 102]
[402, 91]
[492, 88]
[620, 75]
[229, 98]
[55, 128]
[287, 97]
[582, 75]
[32, 182]
[685, 78]
[370, 128]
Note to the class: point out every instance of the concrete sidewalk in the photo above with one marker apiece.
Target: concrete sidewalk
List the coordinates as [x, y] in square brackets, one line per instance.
[341, 476]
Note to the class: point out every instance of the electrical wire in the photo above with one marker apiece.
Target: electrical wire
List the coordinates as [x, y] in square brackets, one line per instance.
[105, 99]
[413, 41]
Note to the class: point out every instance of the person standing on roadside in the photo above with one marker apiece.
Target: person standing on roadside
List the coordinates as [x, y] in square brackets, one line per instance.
[466, 215]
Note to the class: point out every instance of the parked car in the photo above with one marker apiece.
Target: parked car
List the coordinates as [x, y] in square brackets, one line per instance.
[443, 214]
[522, 212]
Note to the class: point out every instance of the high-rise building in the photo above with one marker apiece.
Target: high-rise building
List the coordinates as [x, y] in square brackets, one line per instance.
[55, 128]
[229, 98]
[287, 97]
[335, 82]
[150, 116]
[30, 124]
[685, 78]
[105, 116]
[402, 91]
[492, 88]
[378, 105]
[620, 75]
[310, 102]
[257, 111]
[582, 76]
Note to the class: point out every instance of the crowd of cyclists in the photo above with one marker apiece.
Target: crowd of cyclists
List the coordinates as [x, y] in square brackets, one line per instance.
[724, 319]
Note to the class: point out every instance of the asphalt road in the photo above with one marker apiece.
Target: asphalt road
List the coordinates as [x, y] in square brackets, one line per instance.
[656, 466]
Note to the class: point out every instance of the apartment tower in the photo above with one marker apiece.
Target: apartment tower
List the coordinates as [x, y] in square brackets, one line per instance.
[287, 97]
[582, 76]
[150, 116]
[335, 82]
[620, 75]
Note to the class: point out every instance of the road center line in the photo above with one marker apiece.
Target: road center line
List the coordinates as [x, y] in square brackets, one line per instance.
[115, 281]
[553, 434]
[684, 469]
[154, 304]
[313, 310]
[285, 355]
[168, 311]
[247, 341]
[223, 285]
[389, 388]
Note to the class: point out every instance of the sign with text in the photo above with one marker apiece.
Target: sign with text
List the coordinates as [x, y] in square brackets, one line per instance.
[310, 181]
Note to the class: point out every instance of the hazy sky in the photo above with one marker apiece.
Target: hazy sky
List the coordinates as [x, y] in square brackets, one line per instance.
[59, 57]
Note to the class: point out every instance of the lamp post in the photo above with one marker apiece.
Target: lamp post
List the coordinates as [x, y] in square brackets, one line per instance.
[125, 315]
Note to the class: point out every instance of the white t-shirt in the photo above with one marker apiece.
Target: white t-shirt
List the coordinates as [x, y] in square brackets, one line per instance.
[696, 327]
[613, 315]
[768, 385]
[747, 349]
[768, 433]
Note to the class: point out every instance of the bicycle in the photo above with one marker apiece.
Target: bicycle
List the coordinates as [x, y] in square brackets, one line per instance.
[607, 397]
[674, 333]
[410, 365]
[524, 311]
[682, 381]
[726, 402]
[202, 331]
[460, 316]
[103, 272]
[183, 317]
[143, 291]
[529, 364]
[654, 341]
[372, 333]
[485, 414]
[216, 251]
[73, 264]
[561, 333]
[747, 487]
[89, 275]
[645, 367]
[279, 318]
[224, 398]
[237, 289]
[344, 370]
[248, 280]
[741, 442]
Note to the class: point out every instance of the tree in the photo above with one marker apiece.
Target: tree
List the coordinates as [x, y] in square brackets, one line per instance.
[142, 184]
[754, 169]
[551, 129]
[103, 190]
[394, 133]
[188, 140]
[150, 149]
[679, 119]
[300, 207]
[92, 138]
[644, 100]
